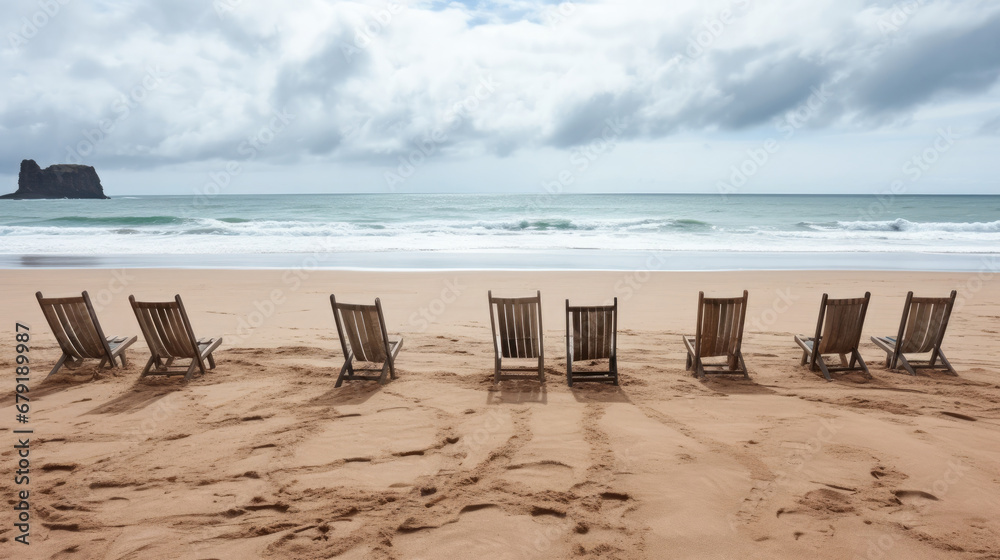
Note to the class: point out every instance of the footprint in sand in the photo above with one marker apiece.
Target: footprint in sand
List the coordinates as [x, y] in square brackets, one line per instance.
[914, 496]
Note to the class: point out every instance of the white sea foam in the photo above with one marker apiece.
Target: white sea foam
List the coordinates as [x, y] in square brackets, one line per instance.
[248, 225]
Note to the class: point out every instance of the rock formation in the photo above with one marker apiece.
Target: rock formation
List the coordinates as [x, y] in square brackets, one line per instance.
[57, 181]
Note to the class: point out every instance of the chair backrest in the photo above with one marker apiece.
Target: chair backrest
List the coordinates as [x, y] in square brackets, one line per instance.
[924, 323]
[75, 325]
[838, 329]
[517, 326]
[362, 330]
[166, 328]
[720, 325]
[591, 332]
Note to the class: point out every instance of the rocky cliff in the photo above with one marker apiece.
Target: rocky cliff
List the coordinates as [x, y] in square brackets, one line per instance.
[57, 181]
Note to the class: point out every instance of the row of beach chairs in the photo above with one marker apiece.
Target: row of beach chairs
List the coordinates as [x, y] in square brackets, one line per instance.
[591, 336]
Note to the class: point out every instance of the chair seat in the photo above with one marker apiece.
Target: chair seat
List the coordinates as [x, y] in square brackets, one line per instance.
[208, 345]
[118, 344]
[806, 342]
[886, 343]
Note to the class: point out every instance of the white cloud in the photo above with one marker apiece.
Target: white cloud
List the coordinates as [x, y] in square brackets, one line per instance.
[369, 80]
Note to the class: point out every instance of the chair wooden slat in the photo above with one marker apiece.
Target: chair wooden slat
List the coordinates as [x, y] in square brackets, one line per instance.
[577, 335]
[67, 319]
[350, 318]
[522, 324]
[83, 330]
[375, 347]
[534, 334]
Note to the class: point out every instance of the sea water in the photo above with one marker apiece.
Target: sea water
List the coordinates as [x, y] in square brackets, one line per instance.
[615, 231]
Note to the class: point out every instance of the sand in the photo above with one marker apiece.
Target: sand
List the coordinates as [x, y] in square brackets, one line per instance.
[264, 458]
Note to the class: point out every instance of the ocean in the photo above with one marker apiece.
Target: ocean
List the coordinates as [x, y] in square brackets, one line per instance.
[512, 231]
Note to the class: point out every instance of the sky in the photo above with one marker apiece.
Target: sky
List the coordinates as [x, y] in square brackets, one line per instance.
[734, 96]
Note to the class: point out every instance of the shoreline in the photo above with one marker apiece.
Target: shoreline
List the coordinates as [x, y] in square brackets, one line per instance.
[539, 261]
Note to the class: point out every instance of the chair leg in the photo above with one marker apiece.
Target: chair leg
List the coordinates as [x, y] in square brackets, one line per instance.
[59, 364]
[345, 372]
[385, 373]
[104, 361]
[569, 371]
[699, 369]
[614, 368]
[906, 365]
[743, 365]
[687, 364]
[211, 361]
[541, 370]
[496, 370]
[855, 355]
[805, 358]
[822, 366]
[149, 364]
[123, 360]
[946, 363]
[191, 368]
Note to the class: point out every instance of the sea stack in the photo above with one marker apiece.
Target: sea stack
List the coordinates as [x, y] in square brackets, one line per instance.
[57, 181]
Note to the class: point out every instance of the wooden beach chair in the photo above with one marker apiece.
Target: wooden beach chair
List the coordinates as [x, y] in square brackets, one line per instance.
[517, 334]
[921, 330]
[363, 338]
[592, 334]
[719, 333]
[168, 333]
[838, 331]
[75, 326]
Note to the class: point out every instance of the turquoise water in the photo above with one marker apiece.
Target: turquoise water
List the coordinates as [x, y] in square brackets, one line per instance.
[248, 229]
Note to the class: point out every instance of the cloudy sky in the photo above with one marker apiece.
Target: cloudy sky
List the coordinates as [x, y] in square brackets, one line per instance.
[245, 96]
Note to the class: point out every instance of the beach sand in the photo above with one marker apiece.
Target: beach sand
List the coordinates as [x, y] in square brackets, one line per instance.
[264, 458]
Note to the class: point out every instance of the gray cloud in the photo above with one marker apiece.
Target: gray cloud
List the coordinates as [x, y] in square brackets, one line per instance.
[953, 61]
[367, 82]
